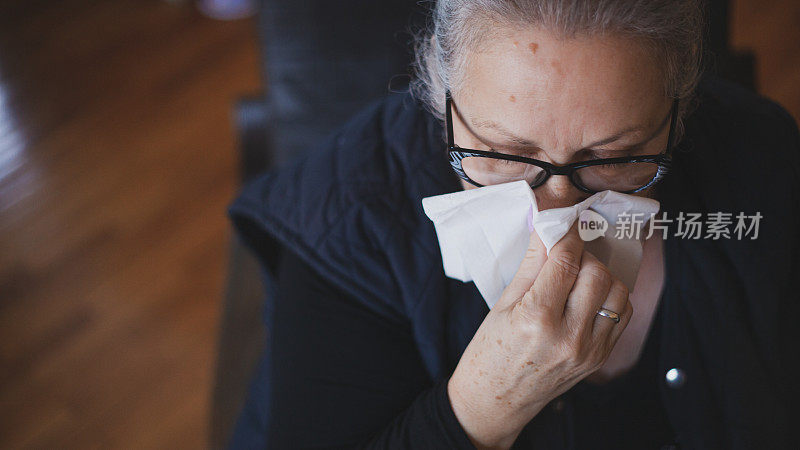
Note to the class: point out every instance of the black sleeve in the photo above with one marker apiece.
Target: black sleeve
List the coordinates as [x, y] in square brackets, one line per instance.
[343, 376]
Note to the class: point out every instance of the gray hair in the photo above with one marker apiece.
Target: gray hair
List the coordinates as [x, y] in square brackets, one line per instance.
[672, 29]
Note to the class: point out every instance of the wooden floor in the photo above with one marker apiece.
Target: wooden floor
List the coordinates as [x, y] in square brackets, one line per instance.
[116, 163]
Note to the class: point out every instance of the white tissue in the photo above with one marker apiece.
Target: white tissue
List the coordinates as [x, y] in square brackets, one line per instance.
[483, 233]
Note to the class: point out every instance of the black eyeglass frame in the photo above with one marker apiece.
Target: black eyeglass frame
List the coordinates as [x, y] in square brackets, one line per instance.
[662, 160]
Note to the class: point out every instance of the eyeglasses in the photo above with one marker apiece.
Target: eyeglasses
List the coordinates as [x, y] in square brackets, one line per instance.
[625, 174]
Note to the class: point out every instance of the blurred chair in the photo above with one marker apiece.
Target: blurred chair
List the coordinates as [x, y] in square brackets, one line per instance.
[721, 59]
[322, 61]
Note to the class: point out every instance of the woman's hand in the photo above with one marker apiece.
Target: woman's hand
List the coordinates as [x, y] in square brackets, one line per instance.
[541, 338]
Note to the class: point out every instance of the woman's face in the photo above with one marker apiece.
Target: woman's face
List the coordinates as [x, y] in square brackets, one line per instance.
[532, 94]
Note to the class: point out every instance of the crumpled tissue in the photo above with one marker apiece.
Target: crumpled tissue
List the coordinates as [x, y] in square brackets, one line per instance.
[484, 232]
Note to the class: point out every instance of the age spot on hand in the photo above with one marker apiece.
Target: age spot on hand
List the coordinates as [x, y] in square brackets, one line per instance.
[533, 46]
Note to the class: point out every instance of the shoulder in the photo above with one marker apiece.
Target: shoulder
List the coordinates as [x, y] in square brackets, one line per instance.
[735, 127]
[350, 206]
[362, 159]
[733, 100]
[738, 166]
[739, 150]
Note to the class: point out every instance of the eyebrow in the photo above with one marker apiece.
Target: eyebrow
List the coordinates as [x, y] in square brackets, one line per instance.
[520, 142]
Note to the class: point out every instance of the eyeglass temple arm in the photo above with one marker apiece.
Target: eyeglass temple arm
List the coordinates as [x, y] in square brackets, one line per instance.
[672, 121]
[449, 115]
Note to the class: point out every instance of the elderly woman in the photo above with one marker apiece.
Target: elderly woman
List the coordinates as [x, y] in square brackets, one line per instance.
[371, 345]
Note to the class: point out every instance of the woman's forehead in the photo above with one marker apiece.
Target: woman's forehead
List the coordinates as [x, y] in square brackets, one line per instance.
[531, 79]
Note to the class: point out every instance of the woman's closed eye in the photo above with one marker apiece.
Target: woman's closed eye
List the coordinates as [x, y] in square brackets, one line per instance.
[594, 154]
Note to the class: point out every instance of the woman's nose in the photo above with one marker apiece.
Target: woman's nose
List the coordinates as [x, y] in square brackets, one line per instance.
[558, 192]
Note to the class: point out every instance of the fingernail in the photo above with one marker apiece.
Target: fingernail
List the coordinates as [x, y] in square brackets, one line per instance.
[530, 219]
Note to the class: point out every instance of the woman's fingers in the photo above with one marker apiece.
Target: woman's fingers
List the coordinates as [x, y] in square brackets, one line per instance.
[596, 288]
[617, 302]
[616, 332]
[558, 273]
[528, 270]
[588, 294]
